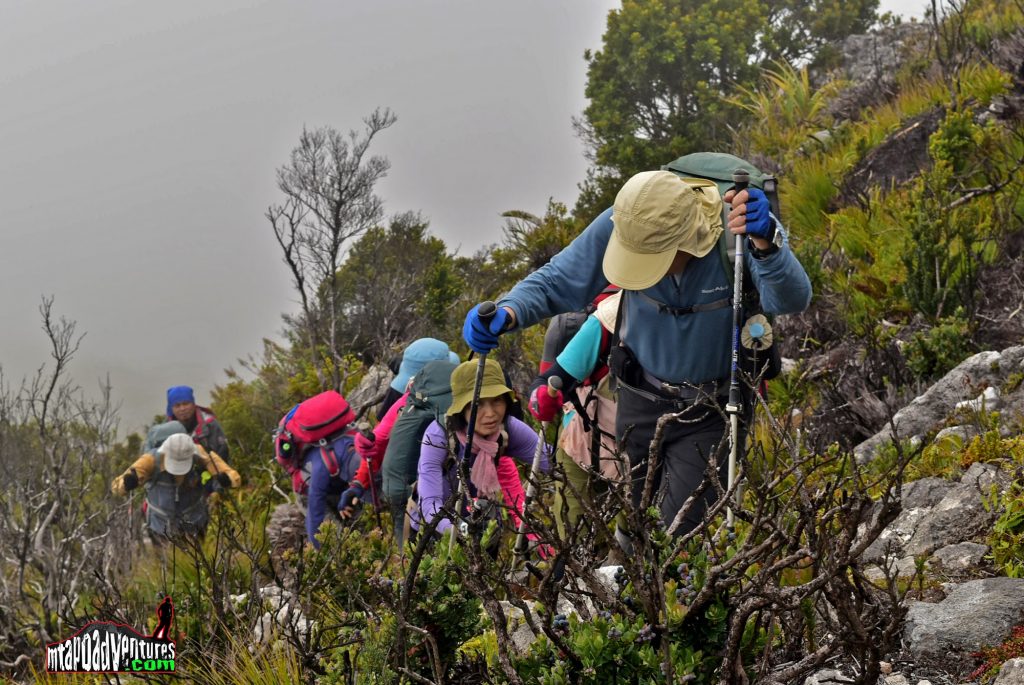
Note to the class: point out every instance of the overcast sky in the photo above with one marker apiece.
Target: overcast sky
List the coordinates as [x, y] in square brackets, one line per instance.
[139, 141]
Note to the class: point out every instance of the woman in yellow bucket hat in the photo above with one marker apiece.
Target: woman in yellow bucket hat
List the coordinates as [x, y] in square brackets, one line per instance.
[498, 440]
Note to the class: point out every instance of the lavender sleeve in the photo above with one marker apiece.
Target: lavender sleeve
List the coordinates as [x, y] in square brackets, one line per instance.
[431, 486]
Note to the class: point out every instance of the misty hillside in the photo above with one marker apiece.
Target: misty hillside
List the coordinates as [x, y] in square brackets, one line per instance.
[881, 503]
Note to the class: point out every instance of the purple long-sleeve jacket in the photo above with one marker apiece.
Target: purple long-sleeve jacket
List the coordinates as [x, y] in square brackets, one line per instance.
[434, 486]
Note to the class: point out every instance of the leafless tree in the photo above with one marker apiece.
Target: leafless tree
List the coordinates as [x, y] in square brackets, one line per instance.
[61, 537]
[328, 187]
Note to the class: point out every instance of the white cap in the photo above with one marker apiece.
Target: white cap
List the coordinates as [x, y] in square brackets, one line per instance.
[178, 451]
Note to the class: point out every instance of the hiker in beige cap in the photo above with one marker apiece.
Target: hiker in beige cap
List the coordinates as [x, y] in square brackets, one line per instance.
[672, 344]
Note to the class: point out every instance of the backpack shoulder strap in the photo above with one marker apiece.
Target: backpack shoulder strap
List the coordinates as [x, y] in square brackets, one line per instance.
[329, 456]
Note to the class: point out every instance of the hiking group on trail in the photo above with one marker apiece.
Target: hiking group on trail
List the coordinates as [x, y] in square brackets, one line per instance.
[649, 306]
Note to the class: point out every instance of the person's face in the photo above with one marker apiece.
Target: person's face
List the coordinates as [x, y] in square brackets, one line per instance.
[490, 414]
[183, 411]
[679, 263]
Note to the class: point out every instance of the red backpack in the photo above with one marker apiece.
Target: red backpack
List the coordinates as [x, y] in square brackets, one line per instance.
[320, 420]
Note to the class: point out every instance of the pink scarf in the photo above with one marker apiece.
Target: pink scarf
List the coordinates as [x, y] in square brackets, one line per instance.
[484, 474]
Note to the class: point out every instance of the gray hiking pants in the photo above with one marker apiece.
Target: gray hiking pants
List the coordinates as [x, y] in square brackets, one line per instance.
[687, 446]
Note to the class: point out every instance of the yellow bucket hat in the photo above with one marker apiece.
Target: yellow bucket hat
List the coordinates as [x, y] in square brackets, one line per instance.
[656, 214]
[464, 378]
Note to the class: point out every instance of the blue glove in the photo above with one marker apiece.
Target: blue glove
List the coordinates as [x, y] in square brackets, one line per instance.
[351, 501]
[482, 337]
[759, 223]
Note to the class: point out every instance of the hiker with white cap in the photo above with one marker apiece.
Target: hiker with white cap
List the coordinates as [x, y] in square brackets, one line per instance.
[176, 488]
[672, 349]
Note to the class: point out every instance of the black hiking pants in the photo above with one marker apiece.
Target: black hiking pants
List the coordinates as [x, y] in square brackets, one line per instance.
[688, 444]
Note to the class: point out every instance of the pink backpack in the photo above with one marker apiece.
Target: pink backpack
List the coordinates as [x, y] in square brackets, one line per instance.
[319, 420]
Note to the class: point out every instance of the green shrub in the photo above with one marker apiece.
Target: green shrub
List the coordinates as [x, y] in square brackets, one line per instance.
[937, 350]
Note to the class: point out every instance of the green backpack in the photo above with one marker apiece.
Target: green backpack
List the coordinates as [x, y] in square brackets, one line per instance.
[719, 167]
[429, 398]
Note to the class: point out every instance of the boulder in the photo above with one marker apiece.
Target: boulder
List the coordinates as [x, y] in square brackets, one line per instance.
[986, 401]
[959, 516]
[974, 614]
[371, 388]
[927, 412]
[828, 676]
[1011, 673]
[960, 557]
[918, 499]
[937, 513]
[903, 568]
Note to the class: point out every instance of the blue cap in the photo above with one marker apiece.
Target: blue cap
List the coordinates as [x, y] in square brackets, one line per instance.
[178, 393]
[416, 356]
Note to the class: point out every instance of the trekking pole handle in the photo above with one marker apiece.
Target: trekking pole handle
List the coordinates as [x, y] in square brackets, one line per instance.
[740, 179]
[486, 310]
[366, 431]
[554, 386]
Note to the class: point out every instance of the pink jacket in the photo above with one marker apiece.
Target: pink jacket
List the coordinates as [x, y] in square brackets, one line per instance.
[373, 452]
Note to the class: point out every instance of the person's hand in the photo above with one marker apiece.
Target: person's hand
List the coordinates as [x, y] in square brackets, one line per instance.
[749, 214]
[542, 405]
[350, 501]
[366, 447]
[482, 336]
[117, 487]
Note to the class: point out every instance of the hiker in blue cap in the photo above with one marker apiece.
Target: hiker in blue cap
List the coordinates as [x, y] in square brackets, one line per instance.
[416, 356]
[200, 422]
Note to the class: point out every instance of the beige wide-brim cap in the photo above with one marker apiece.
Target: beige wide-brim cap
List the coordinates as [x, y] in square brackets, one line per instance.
[178, 451]
[655, 214]
[464, 379]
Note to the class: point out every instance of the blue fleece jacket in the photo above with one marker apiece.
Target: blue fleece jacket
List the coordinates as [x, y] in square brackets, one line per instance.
[692, 348]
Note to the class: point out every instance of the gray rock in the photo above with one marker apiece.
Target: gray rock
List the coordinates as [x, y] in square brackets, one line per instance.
[919, 497]
[1011, 673]
[868, 57]
[925, 492]
[519, 630]
[905, 568]
[986, 401]
[896, 679]
[973, 615]
[959, 516]
[927, 412]
[962, 433]
[373, 385]
[962, 556]
[985, 477]
[827, 677]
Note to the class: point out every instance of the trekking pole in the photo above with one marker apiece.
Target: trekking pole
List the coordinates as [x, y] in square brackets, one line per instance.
[486, 311]
[364, 428]
[741, 179]
[554, 385]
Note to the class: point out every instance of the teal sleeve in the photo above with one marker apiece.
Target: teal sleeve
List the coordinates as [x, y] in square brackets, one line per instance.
[580, 354]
